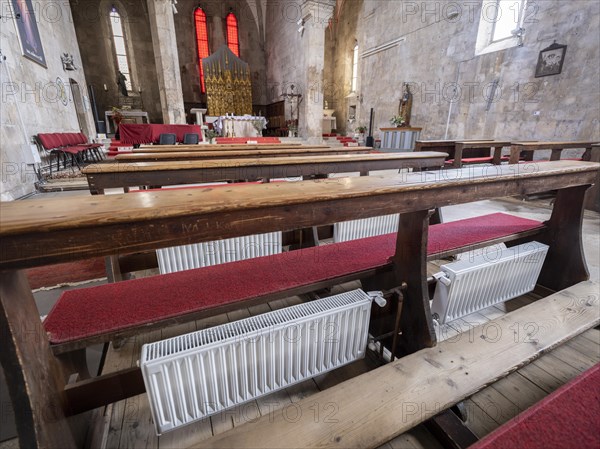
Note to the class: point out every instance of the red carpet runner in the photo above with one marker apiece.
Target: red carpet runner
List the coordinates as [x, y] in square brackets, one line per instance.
[569, 418]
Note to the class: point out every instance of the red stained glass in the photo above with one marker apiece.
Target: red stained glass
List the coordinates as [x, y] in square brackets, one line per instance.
[233, 41]
[202, 42]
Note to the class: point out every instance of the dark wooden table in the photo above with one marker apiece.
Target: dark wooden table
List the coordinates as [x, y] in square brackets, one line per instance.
[42, 232]
[130, 174]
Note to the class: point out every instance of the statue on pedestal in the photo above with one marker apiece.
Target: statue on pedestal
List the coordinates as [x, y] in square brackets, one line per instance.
[406, 105]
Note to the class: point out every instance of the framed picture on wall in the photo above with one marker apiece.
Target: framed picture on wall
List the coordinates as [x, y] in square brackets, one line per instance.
[550, 61]
[27, 29]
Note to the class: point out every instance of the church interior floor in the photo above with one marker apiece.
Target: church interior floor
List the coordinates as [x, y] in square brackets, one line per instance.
[128, 424]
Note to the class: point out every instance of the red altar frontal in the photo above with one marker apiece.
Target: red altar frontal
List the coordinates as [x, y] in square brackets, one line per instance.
[135, 134]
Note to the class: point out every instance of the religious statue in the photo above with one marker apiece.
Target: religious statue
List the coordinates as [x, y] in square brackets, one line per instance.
[121, 82]
[68, 62]
[406, 105]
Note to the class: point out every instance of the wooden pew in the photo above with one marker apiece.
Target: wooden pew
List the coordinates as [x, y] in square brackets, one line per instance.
[125, 175]
[222, 147]
[446, 146]
[493, 148]
[37, 233]
[557, 147]
[239, 154]
[479, 151]
[449, 146]
[592, 201]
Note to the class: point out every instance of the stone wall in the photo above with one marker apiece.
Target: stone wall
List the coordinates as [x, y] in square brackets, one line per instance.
[95, 38]
[453, 85]
[30, 99]
[252, 43]
[284, 52]
[94, 34]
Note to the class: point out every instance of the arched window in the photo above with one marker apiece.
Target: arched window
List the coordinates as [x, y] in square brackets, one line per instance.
[201, 41]
[354, 68]
[120, 46]
[233, 40]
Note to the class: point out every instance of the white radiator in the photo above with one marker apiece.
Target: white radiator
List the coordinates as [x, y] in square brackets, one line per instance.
[198, 255]
[365, 227]
[495, 275]
[199, 374]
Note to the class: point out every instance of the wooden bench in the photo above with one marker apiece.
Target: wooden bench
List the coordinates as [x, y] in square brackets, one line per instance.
[493, 148]
[373, 408]
[479, 151]
[125, 175]
[237, 154]
[592, 201]
[445, 146]
[517, 148]
[43, 232]
[221, 147]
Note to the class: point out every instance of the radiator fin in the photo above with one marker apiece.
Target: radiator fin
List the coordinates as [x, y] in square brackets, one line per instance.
[198, 255]
[365, 227]
[494, 276]
[193, 376]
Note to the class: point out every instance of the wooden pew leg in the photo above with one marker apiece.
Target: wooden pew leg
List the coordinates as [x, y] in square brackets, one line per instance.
[74, 362]
[410, 267]
[448, 428]
[436, 217]
[33, 375]
[565, 263]
[113, 269]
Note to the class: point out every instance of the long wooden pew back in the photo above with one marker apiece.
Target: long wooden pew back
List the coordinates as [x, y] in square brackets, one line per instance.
[125, 175]
[43, 232]
[185, 154]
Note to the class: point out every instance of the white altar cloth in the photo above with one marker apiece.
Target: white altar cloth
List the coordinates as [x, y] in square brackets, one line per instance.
[241, 125]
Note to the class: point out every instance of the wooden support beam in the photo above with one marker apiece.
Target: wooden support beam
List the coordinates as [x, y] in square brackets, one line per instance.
[33, 374]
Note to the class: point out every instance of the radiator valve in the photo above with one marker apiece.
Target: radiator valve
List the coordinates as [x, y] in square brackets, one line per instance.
[441, 277]
[377, 296]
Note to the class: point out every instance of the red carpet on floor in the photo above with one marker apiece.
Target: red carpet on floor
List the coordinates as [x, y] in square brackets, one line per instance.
[52, 275]
[569, 418]
[98, 310]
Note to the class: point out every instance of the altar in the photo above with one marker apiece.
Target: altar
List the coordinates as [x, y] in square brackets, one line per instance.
[240, 125]
[329, 124]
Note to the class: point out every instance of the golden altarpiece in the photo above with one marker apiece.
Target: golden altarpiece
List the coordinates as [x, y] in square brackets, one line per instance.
[228, 83]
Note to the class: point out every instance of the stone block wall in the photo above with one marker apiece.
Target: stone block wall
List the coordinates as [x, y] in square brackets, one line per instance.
[252, 42]
[31, 99]
[284, 53]
[94, 34]
[454, 86]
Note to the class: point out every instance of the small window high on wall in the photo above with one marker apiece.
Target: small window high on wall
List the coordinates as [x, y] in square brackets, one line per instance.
[201, 42]
[500, 25]
[116, 24]
[233, 40]
[354, 68]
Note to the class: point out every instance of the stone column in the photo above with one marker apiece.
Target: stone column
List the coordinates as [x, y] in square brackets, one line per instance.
[316, 15]
[164, 42]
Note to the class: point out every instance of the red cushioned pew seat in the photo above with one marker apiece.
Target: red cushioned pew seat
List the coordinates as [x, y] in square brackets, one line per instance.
[95, 311]
[568, 418]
